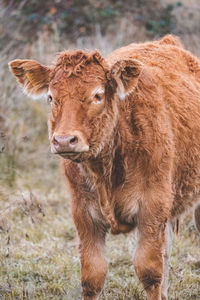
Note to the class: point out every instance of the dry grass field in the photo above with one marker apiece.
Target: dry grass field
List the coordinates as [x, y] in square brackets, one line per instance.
[38, 243]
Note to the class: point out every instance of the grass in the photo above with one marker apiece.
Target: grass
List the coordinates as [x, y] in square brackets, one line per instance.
[38, 243]
[38, 252]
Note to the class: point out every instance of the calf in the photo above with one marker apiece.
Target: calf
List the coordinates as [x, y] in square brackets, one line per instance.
[128, 130]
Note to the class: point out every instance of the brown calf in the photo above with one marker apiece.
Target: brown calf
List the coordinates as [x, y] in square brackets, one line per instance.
[128, 130]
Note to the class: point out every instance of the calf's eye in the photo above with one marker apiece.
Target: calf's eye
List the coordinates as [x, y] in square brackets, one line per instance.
[98, 98]
[49, 98]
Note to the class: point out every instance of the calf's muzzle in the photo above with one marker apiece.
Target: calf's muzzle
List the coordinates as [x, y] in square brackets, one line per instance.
[71, 143]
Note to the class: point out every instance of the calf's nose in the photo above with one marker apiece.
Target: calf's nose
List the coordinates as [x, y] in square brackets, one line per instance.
[74, 142]
[66, 143]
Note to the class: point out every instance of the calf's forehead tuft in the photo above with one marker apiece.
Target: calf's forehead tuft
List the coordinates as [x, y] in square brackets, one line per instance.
[75, 62]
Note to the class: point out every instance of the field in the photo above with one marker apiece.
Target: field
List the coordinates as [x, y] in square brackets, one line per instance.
[38, 243]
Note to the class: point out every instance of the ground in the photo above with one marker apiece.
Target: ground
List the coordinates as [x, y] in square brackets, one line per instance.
[38, 251]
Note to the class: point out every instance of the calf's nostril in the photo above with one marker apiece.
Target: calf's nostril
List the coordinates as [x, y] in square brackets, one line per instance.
[55, 142]
[73, 140]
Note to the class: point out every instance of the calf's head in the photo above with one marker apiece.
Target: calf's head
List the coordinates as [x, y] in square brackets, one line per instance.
[83, 92]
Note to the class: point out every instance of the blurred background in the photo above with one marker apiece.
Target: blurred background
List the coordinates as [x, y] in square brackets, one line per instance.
[38, 244]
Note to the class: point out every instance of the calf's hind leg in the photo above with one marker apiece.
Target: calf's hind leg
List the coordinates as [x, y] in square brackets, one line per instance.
[166, 261]
[197, 217]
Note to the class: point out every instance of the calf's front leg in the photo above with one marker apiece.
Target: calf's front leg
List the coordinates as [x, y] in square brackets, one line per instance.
[149, 255]
[91, 228]
[91, 233]
[149, 266]
[93, 269]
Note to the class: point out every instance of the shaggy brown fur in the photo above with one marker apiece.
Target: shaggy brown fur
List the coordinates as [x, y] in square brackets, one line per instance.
[138, 110]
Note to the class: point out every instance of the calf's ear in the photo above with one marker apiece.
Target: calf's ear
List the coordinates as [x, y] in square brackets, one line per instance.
[126, 74]
[33, 77]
